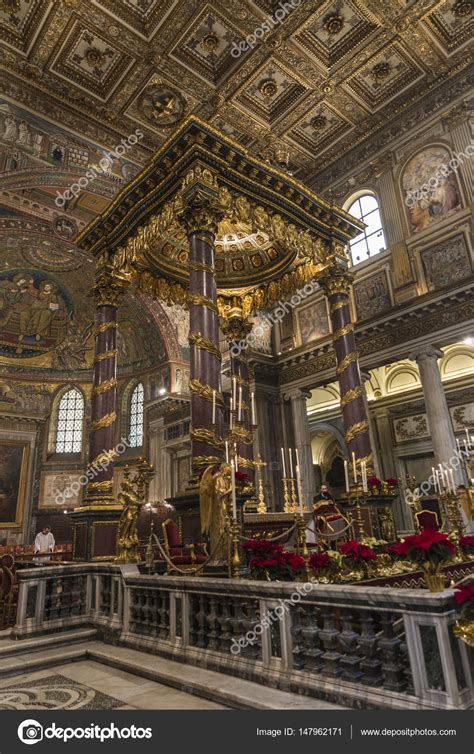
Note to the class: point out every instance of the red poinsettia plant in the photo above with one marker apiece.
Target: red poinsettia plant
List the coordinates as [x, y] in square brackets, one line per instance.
[466, 544]
[464, 599]
[391, 482]
[373, 481]
[269, 561]
[356, 552]
[429, 547]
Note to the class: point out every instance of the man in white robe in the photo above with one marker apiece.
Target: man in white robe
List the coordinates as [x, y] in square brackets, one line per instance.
[44, 542]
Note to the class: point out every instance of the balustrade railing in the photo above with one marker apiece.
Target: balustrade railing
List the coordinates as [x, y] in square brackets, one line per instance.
[372, 647]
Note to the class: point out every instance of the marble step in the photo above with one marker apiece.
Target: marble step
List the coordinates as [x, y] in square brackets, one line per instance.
[30, 662]
[11, 647]
[224, 689]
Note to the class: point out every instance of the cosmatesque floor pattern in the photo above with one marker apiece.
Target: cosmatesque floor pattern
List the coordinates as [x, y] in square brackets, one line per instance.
[89, 685]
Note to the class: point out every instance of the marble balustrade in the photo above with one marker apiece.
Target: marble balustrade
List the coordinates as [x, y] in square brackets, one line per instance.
[352, 645]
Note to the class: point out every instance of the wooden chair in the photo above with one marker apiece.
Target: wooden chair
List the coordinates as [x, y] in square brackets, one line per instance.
[187, 557]
[427, 520]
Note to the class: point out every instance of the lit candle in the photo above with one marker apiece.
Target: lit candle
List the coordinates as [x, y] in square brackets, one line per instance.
[298, 485]
[291, 463]
[230, 414]
[236, 457]
[354, 466]
[234, 499]
[234, 391]
[468, 438]
[227, 451]
[240, 403]
[457, 443]
[253, 408]
[283, 462]
[213, 406]
[346, 475]
[466, 446]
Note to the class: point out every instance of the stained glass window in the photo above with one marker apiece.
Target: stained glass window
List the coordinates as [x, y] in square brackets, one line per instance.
[372, 240]
[136, 417]
[70, 422]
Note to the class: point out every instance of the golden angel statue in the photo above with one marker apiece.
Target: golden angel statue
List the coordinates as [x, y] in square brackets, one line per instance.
[215, 491]
[133, 495]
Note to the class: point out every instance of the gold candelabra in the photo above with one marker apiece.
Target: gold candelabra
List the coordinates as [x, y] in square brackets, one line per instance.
[234, 556]
[356, 498]
[262, 506]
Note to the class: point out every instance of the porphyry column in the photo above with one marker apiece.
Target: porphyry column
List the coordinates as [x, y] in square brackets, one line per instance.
[108, 291]
[336, 284]
[200, 215]
[236, 329]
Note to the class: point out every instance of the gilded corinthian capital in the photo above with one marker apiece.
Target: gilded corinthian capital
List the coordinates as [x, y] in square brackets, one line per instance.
[109, 287]
[201, 208]
[336, 279]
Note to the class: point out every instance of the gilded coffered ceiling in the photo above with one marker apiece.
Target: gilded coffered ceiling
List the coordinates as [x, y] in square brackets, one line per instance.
[308, 78]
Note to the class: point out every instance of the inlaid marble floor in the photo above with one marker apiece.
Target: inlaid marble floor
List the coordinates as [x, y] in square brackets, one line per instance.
[90, 685]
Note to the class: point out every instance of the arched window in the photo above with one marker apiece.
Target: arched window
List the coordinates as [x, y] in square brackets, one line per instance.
[136, 417]
[372, 240]
[70, 423]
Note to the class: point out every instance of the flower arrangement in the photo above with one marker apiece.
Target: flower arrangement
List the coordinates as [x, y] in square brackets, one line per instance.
[269, 561]
[390, 486]
[464, 599]
[466, 544]
[430, 547]
[357, 553]
[377, 545]
[374, 484]
[325, 563]
[429, 550]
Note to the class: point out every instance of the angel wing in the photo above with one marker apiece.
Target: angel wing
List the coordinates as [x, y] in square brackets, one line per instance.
[206, 494]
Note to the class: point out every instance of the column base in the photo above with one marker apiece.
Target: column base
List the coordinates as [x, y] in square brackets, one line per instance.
[95, 529]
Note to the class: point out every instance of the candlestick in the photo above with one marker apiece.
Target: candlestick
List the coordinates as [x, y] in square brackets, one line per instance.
[457, 443]
[354, 466]
[236, 457]
[234, 499]
[234, 391]
[240, 403]
[346, 475]
[252, 403]
[213, 406]
[298, 484]
[465, 445]
[291, 463]
[227, 451]
[468, 437]
[231, 413]
[283, 462]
